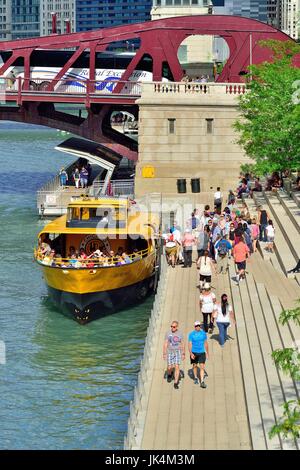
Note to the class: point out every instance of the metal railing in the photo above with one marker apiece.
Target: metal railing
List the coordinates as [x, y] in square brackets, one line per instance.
[114, 188]
[71, 85]
[139, 404]
[89, 262]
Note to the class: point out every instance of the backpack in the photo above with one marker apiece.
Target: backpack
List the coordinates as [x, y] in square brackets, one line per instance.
[223, 248]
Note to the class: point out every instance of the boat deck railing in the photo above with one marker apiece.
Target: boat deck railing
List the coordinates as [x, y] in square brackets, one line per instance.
[89, 263]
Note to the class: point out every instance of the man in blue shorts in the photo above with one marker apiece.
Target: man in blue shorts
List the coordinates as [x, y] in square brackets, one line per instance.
[198, 349]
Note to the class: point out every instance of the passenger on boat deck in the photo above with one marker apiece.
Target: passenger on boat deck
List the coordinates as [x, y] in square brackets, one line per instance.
[120, 251]
[73, 260]
[82, 254]
[126, 258]
[96, 254]
[45, 249]
[71, 251]
[57, 262]
[49, 258]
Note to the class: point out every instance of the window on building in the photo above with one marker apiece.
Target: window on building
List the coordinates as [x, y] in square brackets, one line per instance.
[209, 125]
[171, 122]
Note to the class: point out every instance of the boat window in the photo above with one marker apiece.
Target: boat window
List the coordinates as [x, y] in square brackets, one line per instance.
[103, 216]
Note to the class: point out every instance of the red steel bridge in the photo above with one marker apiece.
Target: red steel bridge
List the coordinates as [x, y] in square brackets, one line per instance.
[158, 39]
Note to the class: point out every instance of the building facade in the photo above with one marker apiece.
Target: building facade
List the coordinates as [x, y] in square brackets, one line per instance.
[255, 9]
[5, 20]
[190, 136]
[65, 11]
[289, 17]
[95, 14]
[25, 19]
[194, 49]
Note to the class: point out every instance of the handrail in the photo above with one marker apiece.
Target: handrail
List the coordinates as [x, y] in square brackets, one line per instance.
[88, 263]
[69, 85]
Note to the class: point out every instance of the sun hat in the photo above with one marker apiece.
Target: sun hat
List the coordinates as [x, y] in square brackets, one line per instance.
[197, 322]
[206, 285]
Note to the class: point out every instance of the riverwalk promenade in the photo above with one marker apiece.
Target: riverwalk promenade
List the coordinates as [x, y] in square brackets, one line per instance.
[244, 391]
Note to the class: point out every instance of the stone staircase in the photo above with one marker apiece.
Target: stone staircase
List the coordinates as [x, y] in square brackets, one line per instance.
[258, 302]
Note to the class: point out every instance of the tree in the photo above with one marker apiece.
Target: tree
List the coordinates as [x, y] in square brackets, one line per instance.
[288, 360]
[270, 125]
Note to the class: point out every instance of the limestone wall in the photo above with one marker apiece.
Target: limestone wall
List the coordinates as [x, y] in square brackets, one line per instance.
[188, 134]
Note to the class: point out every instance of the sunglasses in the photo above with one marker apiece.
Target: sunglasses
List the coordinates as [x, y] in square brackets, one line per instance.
[197, 326]
[172, 326]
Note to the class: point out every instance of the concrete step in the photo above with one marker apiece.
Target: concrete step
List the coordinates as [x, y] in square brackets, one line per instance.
[287, 227]
[285, 257]
[252, 207]
[270, 339]
[296, 197]
[277, 283]
[261, 360]
[258, 437]
[291, 208]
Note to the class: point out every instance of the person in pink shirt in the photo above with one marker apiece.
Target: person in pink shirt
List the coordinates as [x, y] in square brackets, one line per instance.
[188, 242]
[240, 254]
[254, 233]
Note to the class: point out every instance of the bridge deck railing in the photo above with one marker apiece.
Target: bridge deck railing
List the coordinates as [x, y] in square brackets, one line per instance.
[40, 86]
[69, 85]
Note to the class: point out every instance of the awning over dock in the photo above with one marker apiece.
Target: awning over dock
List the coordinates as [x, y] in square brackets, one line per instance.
[94, 152]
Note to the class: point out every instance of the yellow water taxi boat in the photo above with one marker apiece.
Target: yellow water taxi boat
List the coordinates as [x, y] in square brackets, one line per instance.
[100, 257]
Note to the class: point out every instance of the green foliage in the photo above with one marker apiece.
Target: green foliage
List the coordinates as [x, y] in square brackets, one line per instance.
[289, 424]
[269, 130]
[288, 360]
[293, 315]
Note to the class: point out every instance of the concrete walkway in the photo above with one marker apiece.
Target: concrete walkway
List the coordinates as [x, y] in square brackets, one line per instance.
[245, 391]
[193, 418]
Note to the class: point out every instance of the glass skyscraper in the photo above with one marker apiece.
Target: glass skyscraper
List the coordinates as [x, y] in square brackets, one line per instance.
[25, 18]
[94, 14]
[255, 9]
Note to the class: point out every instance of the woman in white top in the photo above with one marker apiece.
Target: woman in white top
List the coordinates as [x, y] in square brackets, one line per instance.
[205, 266]
[270, 231]
[224, 315]
[207, 306]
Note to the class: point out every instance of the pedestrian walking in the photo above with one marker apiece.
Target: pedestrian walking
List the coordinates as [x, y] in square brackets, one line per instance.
[270, 231]
[223, 248]
[206, 267]
[240, 254]
[263, 217]
[198, 349]
[173, 351]
[84, 177]
[188, 242]
[76, 177]
[254, 227]
[224, 317]
[207, 300]
[63, 177]
[218, 197]
[203, 241]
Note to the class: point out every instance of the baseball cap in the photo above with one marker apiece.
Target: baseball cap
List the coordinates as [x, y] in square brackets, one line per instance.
[197, 322]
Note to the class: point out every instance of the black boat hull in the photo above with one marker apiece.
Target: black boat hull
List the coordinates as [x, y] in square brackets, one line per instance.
[90, 306]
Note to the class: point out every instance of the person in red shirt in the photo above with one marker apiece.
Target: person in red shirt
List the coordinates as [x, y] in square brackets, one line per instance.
[240, 254]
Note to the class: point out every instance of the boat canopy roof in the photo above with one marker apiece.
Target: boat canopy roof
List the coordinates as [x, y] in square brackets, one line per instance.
[99, 202]
[93, 151]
